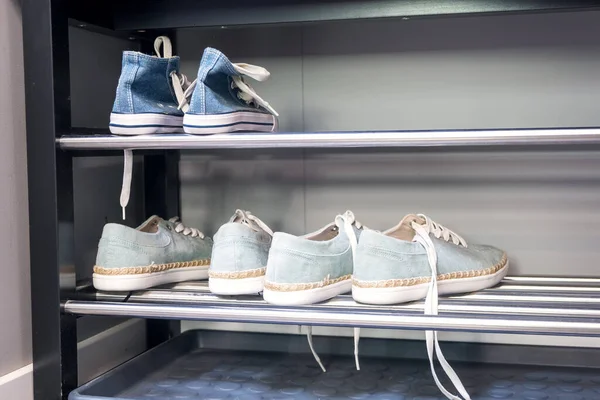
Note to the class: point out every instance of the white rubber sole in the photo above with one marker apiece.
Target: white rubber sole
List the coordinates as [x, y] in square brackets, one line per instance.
[232, 287]
[226, 123]
[144, 124]
[405, 294]
[310, 296]
[118, 283]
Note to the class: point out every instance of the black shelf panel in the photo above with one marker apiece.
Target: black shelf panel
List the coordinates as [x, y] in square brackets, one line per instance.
[164, 14]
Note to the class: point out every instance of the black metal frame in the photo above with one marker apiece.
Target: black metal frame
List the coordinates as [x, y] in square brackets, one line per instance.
[51, 209]
[46, 54]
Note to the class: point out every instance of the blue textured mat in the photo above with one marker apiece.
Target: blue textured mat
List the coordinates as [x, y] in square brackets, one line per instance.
[211, 375]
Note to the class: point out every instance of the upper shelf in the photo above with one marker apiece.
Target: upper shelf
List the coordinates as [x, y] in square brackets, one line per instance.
[513, 137]
[558, 306]
[163, 14]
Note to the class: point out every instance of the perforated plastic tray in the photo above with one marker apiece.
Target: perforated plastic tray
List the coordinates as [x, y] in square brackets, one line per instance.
[179, 370]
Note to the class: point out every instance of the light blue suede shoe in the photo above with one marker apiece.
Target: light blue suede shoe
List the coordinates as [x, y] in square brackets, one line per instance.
[393, 267]
[239, 256]
[223, 102]
[154, 253]
[419, 258]
[149, 96]
[312, 268]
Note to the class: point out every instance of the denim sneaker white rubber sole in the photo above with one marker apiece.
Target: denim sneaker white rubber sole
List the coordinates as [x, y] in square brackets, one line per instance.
[405, 294]
[144, 281]
[232, 287]
[144, 124]
[308, 296]
[230, 122]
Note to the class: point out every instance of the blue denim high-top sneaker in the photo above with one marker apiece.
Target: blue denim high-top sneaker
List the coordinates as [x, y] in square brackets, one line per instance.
[223, 102]
[150, 94]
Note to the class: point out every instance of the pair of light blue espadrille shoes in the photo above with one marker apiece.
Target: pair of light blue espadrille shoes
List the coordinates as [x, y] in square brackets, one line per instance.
[418, 258]
[390, 267]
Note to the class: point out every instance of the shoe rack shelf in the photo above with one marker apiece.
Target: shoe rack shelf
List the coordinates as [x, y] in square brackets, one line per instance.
[513, 137]
[169, 14]
[518, 305]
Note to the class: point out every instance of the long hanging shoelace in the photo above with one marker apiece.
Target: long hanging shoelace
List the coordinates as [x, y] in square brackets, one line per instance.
[431, 301]
[346, 222]
[181, 85]
[247, 218]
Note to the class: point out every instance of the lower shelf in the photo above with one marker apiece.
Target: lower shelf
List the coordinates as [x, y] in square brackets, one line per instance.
[181, 369]
[557, 306]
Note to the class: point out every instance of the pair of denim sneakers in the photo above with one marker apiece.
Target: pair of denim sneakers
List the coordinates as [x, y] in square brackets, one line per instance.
[154, 97]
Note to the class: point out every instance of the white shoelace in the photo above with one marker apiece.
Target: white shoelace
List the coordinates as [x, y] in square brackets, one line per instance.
[247, 93]
[431, 301]
[248, 218]
[183, 90]
[181, 85]
[312, 349]
[126, 183]
[345, 222]
[184, 230]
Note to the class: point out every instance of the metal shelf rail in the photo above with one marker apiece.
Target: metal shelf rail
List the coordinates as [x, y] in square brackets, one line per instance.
[506, 137]
[55, 305]
[518, 305]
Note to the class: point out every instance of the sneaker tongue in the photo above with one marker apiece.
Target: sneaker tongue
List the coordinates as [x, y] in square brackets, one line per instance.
[404, 229]
[409, 219]
[150, 225]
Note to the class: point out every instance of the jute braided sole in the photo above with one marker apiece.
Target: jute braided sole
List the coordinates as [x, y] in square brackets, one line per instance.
[292, 287]
[251, 273]
[424, 279]
[149, 269]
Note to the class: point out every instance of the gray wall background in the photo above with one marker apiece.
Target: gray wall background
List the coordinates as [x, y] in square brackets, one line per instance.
[525, 71]
[15, 306]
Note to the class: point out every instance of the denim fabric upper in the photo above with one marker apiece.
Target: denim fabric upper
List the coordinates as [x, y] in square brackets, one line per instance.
[145, 85]
[381, 257]
[296, 259]
[213, 93]
[239, 248]
[121, 246]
